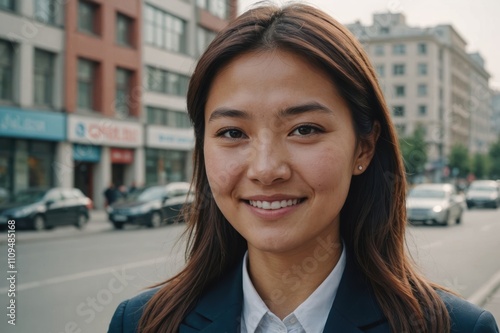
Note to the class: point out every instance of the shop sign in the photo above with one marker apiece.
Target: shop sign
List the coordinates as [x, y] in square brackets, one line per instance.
[86, 153]
[122, 156]
[170, 138]
[20, 123]
[105, 132]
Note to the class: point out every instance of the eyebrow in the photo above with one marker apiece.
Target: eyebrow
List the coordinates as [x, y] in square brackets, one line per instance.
[285, 113]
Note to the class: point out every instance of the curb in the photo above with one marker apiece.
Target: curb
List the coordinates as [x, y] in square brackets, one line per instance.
[480, 297]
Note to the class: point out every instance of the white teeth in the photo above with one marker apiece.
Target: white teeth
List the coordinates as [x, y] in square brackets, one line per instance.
[272, 205]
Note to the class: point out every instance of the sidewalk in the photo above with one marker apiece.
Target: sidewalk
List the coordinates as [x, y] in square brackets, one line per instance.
[488, 296]
[97, 223]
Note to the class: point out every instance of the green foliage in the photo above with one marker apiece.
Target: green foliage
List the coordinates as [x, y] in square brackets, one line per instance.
[494, 156]
[459, 160]
[480, 166]
[414, 151]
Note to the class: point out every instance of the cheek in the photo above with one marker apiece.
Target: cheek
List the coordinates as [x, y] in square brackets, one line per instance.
[223, 170]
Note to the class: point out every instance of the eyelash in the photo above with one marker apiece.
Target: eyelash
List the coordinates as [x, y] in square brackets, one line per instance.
[222, 132]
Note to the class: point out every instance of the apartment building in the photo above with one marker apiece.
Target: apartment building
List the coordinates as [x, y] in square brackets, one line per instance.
[92, 92]
[429, 80]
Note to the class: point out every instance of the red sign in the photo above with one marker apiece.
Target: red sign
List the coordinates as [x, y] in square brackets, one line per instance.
[122, 156]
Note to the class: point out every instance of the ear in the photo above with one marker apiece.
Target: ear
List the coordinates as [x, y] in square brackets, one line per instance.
[366, 150]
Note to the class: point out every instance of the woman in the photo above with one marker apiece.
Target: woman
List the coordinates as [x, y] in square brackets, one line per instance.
[299, 219]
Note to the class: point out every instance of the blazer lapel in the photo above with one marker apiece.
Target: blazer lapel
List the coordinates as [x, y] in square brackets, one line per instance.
[219, 309]
[355, 307]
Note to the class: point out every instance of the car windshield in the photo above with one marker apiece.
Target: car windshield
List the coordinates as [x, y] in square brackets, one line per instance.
[28, 196]
[482, 188]
[147, 194]
[427, 193]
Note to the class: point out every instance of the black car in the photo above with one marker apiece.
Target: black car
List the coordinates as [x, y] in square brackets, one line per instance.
[40, 209]
[151, 206]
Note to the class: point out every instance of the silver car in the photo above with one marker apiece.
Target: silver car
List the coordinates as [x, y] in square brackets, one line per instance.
[434, 203]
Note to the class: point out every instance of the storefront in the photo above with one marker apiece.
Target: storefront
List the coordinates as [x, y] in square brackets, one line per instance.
[168, 155]
[28, 144]
[116, 157]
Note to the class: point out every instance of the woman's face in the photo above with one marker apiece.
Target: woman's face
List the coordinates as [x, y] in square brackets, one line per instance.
[280, 150]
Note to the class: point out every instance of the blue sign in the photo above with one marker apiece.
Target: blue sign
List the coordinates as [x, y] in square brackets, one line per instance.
[20, 123]
[86, 153]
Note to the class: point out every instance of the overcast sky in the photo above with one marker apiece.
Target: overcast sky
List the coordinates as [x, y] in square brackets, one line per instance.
[478, 22]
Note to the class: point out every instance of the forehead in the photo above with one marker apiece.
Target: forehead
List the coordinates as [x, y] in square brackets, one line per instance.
[270, 79]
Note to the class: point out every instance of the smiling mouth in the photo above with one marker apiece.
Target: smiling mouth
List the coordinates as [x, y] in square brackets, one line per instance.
[274, 205]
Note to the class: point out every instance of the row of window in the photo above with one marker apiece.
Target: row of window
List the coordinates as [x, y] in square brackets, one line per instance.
[400, 110]
[399, 49]
[166, 82]
[43, 67]
[165, 117]
[400, 90]
[400, 69]
[161, 29]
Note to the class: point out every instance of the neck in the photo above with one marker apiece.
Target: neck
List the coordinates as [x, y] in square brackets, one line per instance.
[286, 280]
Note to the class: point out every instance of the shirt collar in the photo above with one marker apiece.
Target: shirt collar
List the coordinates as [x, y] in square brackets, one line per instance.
[311, 314]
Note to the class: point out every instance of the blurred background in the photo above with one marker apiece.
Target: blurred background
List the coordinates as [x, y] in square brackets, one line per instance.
[95, 141]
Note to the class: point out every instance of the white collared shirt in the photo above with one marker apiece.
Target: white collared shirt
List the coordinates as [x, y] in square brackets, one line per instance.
[308, 317]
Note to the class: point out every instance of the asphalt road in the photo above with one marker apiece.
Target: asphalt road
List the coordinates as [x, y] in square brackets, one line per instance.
[71, 281]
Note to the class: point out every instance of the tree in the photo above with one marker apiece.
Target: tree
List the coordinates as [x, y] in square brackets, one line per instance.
[494, 155]
[414, 151]
[459, 160]
[480, 165]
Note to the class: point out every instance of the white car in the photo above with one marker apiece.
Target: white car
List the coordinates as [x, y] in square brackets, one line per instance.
[434, 203]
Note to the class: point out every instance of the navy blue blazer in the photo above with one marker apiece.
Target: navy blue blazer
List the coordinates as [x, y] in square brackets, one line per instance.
[355, 309]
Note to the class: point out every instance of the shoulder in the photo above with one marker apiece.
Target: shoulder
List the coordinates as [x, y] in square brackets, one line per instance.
[466, 317]
[128, 313]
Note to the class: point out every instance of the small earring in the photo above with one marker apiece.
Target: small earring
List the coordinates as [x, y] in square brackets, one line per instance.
[360, 167]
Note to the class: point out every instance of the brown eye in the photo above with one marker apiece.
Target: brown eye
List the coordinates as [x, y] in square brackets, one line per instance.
[306, 130]
[231, 134]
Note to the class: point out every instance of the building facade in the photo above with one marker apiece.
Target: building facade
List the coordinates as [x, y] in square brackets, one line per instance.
[92, 92]
[430, 81]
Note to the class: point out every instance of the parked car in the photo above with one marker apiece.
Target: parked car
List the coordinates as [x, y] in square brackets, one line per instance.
[483, 193]
[434, 203]
[152, 206]
[40, 209]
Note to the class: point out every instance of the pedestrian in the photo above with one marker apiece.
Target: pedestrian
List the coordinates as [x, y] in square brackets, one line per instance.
[111, 194]
[299, 218]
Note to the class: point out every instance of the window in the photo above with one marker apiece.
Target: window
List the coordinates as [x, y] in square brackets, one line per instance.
[399, 111]
[87, 17]
[398, 69]
[160, 116]
[122, 105]
[422, 48]
[399, 49]
[44, 77]
[422, 90]
[162, 81]
[422, 69]
[204, 38]
[399, 91]
[86, 83]
[165, 30]
[6, 70]
[422, 110]
[219, 8]
[46, 11]
[8, 4]
[123, 30]
[380, 69]
[379, 50]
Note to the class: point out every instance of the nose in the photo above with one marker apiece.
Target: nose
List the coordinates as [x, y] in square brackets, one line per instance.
[269, 163]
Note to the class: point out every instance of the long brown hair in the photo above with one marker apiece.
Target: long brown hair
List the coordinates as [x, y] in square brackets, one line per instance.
[375, 206]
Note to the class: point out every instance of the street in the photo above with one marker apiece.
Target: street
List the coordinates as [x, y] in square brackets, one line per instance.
[71, 281]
